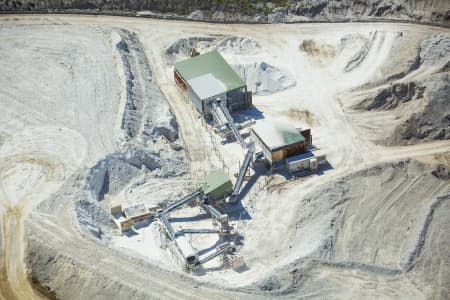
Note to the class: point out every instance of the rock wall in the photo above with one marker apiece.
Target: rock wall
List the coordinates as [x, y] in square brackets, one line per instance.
[253, 11]
[406, 203]
[432, 120]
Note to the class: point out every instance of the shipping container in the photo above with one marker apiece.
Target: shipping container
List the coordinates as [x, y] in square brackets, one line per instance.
[309, 160]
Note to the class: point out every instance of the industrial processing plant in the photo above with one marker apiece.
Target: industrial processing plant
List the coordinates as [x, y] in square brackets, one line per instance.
[176, 150]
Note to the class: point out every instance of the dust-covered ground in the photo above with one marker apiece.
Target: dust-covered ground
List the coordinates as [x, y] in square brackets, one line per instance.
[92, 118]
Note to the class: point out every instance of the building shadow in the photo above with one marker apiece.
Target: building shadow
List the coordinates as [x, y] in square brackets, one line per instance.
[129, 233]
[250, 113]
[142, 224]
[283, 172]
[117, 215]
[325, 167]
[311, 147]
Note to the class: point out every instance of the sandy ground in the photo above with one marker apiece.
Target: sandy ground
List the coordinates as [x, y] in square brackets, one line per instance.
[62, 97]
[49, 134]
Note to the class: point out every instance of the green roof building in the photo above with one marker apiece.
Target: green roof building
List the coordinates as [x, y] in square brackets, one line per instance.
[208, 77]
[278, 140]
[217, 185]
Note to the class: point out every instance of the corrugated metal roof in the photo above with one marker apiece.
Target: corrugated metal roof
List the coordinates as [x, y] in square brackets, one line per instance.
[206, 86]
[277, 134]
[210, 63]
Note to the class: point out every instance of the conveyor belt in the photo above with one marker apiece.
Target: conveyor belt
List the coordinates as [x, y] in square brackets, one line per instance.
[213, 211]
[217, 114]
[223, 118]
[233, 128]
[180, 202]
[197, 231]
[166, 224]
[242, 171]
[215, 254]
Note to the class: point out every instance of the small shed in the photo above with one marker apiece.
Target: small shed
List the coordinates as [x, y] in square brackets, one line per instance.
[137, 213]
[278, 140]
[217, 185]
[208, 77]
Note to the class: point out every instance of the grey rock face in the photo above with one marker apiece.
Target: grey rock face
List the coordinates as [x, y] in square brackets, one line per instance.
[279, 15]
[197, 15]
[435, 50]
[318, 10]
[392, 96]
[433, 123]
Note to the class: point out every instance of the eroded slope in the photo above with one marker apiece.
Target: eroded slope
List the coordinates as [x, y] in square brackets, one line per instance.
[376, 226]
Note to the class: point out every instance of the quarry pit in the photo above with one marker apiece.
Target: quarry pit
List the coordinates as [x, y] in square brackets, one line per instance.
[92, 118]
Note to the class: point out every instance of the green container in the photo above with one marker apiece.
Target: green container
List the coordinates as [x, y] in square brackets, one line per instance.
[217, 185]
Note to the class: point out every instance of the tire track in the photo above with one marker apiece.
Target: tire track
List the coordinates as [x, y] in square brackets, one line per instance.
[32, 167]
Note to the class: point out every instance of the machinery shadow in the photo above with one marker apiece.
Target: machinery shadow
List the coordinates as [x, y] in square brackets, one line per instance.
[237, 212]
[248, 186]
[210, 248]
[189, 219]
